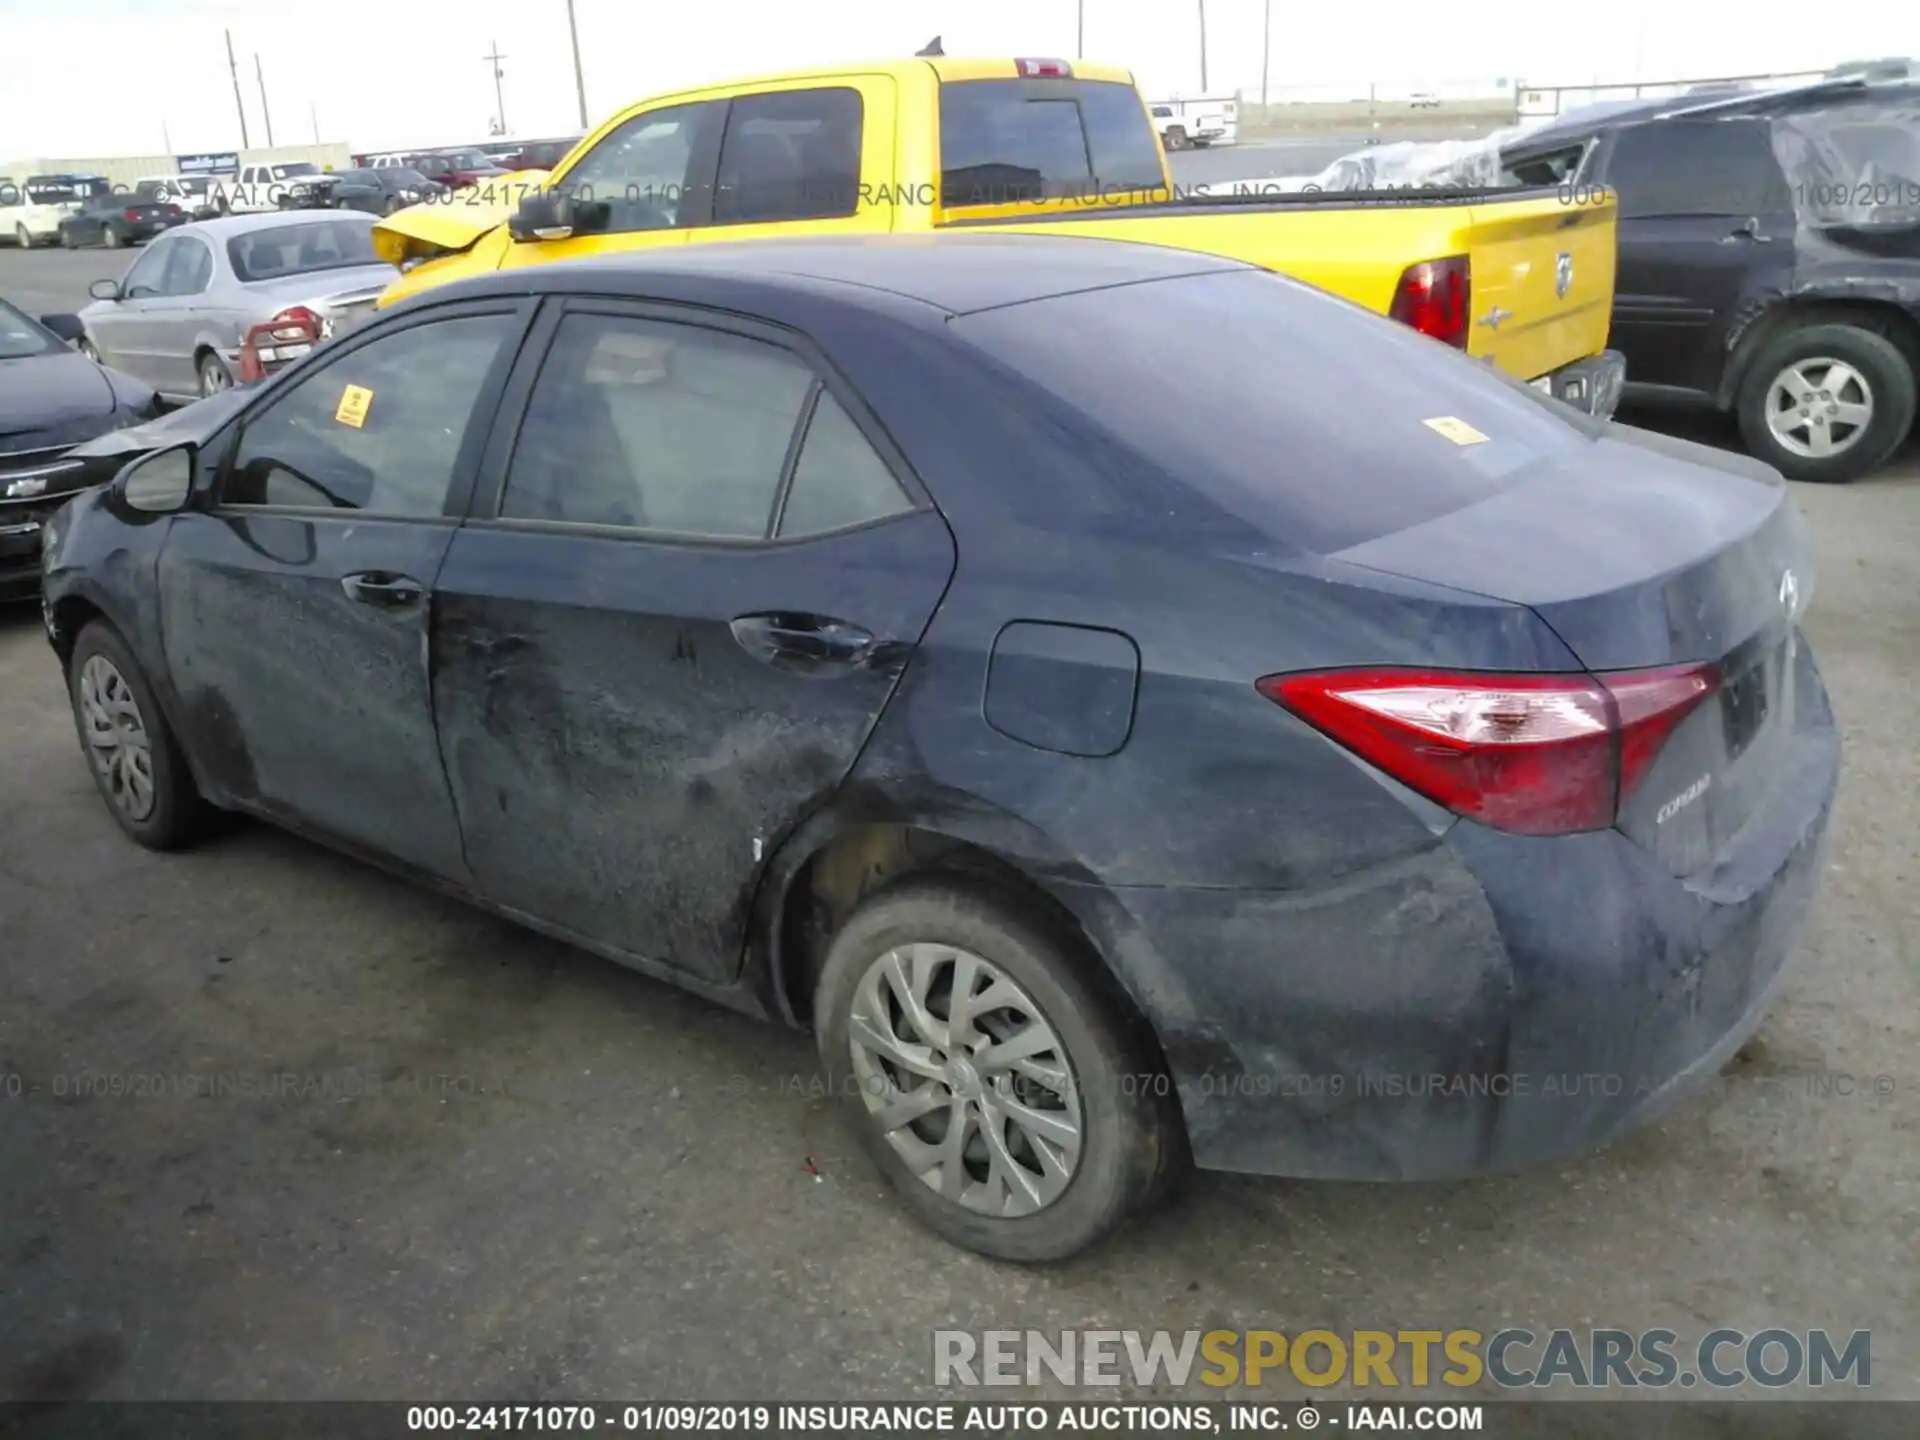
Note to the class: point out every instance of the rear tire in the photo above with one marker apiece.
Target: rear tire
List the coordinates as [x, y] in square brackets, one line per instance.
[214, 375]
[1045, 1168]
[1801, 384]
[109, 237]
[137, 764]
[22, 237]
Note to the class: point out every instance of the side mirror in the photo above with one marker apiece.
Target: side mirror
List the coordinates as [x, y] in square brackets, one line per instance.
[543, 215]
[160, 483]
[67, 327]
[104, 290]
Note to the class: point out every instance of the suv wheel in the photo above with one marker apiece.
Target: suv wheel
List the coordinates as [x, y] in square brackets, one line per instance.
[1011, 1102]
[136, 763]
[1176, 137]
[1826, 403]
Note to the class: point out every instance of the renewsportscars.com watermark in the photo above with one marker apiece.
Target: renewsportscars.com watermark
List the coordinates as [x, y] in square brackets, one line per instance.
[1514, 1359]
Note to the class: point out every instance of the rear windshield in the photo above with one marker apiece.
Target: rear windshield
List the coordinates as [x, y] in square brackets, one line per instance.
[298, 167]
[1006, 141]
[1301, 414]
[299, 249]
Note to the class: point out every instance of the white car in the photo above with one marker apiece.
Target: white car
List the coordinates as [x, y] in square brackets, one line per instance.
[1186, 126]
[261, 189]
[192, 193]
[31, 212]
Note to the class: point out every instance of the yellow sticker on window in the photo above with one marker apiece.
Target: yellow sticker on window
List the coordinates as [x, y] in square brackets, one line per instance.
[355, 401]
[1456, 430]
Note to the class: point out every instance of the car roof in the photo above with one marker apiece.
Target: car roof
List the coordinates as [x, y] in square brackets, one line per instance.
[1603, 115]
[227, 226]
[955, 272]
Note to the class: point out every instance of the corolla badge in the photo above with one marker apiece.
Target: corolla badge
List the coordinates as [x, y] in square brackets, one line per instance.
[1789, 592]
[1562, 274]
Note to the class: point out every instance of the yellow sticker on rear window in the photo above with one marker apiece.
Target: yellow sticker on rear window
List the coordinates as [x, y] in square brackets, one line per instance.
[1456, 430]
[355, 401]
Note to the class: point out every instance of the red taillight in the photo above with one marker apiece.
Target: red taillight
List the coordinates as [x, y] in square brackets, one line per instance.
[1435, 298]
[1045, 69]
[1531, 754]
[296, 322]
[130, 215]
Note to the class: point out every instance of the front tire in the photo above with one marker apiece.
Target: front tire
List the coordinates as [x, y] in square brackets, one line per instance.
[1176, 138]
[86, 348]
[22, 237]
[1008, 1096]
[1826, 403]
[136, 763]
[109, 237]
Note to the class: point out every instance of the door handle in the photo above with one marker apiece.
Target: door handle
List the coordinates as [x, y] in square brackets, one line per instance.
[383, 588]
[806, 644]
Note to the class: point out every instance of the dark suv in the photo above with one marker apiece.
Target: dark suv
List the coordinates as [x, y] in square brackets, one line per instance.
[1769, 259]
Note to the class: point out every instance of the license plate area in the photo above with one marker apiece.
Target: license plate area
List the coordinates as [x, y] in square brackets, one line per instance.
[1744, 705]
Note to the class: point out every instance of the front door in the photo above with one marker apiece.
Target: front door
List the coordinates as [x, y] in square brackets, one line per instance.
[124, 330]
[295, 609]
[688, 589]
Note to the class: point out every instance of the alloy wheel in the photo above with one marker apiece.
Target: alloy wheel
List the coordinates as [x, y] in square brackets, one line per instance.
[117, 739]
[214, 378]
[1819, 407]
[966, 1079]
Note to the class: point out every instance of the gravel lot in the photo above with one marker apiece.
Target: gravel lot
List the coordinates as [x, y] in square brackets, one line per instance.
[577, 1183]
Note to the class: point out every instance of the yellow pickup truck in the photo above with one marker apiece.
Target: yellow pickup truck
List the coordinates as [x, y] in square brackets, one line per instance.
[1520, 276]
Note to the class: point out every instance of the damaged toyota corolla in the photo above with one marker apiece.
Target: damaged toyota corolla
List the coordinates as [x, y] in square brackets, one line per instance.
[1137, 710]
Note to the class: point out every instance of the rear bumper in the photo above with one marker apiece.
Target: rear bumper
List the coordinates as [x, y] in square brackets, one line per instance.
[1494, 1002]
[1593, 384]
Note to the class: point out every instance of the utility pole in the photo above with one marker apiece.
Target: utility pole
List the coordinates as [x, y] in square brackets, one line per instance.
[265, 113]
[313, 113]
[1203, 47]
[1266, 53]
[579, 77]
[234, 69]
[1080, 34]
[499, 102]
[165, 138]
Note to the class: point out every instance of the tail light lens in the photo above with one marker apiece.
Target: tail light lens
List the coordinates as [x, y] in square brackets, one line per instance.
[129, 215]
[1436, 298]
[1530, 754]
[287, 336]
[294, 323]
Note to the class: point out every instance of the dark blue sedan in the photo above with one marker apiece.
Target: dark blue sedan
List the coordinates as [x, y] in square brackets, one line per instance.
[1134, 708]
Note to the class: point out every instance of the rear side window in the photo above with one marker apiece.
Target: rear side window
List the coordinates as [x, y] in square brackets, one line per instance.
[1295, 412]
[1697, 167]
[1006, 141]
[653, 425]
[840, 479]
[790, 155]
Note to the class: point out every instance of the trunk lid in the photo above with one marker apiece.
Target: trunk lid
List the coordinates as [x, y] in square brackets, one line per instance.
[1652, 552]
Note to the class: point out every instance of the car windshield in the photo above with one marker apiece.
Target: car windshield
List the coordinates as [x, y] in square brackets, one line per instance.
[288, 172]
[462, 160]
[300, 249]
[20, 337]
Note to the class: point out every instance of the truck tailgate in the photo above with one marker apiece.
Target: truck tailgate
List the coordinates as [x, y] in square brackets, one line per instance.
[1359, 248]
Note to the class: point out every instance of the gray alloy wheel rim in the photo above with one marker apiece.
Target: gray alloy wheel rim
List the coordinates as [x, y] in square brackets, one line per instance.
[214, 377]
[117, 739]
[1819, 407]
[86, 349]
[966, 1079]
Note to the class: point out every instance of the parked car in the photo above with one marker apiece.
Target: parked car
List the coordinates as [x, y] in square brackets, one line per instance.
[378, 190]
[116, 220]
[1767, 259]
[51, 399]
[31, 212]
[1190, 125]
[921, 145]
[262, 189]
[954, 645]
[455, 168]
[540, 154]
[195, 194]
[178, 317]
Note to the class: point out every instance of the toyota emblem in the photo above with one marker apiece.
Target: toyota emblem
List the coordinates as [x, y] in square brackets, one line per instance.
[1563, 274]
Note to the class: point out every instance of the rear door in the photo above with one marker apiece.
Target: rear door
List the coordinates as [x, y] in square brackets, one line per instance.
[295, 608]
[1706, 217]
[693, 577]
[178, 314]
[797, 156]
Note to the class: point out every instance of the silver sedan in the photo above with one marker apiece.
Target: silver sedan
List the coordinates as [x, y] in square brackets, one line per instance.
[179, 315]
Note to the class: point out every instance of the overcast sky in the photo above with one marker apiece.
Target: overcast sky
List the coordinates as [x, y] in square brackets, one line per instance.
[102, 77]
